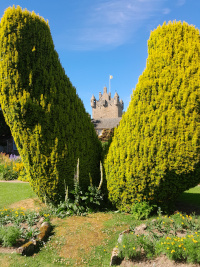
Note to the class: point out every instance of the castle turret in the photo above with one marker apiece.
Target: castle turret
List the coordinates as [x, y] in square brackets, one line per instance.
[93, 102]
[116, 99]
[106, 107]
[122, 103]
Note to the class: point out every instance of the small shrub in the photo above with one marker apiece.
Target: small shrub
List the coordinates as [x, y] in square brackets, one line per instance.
[9, 235]
[79, 202]
[141, 210]
[10, 167]
[134, 245]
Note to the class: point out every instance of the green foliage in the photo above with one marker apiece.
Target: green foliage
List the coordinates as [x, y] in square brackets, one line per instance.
[155, 152]
[79, 202]
[134, 246]
[19, 224]
[141, 210]
[176, 248]
[176, 236]
[9, 167]
[9, 235]
[47, 118]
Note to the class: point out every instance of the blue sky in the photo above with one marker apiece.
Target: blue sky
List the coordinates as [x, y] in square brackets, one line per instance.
[98, 38]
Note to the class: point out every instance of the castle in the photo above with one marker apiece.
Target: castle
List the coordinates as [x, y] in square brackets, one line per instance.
[106, 112]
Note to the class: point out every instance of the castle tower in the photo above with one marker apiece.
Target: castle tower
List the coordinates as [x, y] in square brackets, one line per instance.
[106, 107]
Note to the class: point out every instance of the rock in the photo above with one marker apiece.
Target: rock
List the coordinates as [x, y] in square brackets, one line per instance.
[121, 235]
[115, 259]
[140, 229]
[44, 231]
[27, 249]
[41, 220]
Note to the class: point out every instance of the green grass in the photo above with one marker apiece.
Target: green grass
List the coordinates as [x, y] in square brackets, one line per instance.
[49, 254]
[14, 192]
[191, 196]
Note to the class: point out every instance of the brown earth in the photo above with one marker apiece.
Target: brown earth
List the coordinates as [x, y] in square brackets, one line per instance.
[161, 261]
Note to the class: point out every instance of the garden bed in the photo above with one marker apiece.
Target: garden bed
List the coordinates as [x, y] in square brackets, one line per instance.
[19, 228]
[176, 238]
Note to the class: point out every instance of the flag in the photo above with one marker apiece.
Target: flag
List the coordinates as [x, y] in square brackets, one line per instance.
[111, 77]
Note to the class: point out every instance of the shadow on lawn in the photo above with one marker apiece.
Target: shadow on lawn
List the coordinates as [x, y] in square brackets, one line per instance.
[188, 203]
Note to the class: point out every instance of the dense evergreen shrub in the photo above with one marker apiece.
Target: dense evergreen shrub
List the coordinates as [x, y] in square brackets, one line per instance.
[155, 152]
[47, 118]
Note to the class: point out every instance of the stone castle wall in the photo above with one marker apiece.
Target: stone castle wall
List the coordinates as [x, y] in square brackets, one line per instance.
[106, 107]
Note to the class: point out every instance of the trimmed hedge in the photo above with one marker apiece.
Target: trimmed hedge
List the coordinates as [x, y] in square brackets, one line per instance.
[47, 118]
[155, 152]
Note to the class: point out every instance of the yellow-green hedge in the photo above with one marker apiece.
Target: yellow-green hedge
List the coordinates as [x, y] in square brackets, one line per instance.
[155, 152]
[47, 118]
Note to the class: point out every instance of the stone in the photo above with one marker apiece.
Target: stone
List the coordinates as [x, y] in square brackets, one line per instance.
[115, 259]
[27, 249]
[44, 231]
[141, 227]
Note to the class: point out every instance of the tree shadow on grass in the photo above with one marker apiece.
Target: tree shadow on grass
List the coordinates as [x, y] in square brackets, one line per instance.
[188, 203]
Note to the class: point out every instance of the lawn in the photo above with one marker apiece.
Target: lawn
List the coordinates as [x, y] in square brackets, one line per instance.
[14, 192]
[191, 196]
[77, 240]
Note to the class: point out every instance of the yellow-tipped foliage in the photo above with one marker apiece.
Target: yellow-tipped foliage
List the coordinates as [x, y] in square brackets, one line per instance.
[47, 118]
[155, 152]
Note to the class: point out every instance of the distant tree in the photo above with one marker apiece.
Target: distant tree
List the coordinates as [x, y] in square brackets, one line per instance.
[155, 152]
[48, 120]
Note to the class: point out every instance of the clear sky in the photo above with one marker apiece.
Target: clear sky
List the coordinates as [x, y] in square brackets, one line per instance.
[98, 38]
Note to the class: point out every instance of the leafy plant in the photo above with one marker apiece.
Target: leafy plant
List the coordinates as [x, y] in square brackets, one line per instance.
[141, 210]
[10, 166]
[78, 202]
[30, 233]
[133, 246]
[9, 235]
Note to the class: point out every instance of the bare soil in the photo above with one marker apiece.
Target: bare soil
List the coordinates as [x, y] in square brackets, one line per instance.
[161, 261]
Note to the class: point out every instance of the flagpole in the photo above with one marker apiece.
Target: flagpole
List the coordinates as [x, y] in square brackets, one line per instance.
[110, 77]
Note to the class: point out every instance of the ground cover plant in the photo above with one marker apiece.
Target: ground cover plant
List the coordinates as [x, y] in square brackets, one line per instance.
[176, 236]
[154, 154]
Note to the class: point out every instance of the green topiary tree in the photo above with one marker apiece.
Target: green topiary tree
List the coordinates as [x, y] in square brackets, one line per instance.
[155, 152]
[47, 118]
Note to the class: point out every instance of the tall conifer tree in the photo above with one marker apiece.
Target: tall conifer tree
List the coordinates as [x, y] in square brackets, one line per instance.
[155, 152]
[47, 118]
